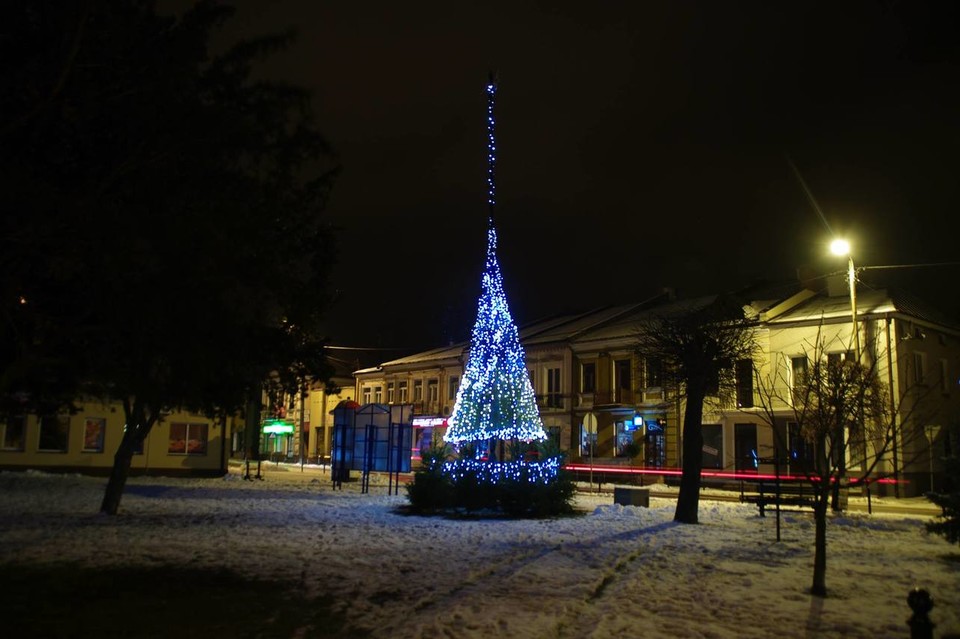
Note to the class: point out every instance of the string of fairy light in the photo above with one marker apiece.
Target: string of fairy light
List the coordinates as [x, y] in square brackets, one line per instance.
[495, 399]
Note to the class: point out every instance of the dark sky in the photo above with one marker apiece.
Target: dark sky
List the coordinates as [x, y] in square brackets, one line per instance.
[642, 145]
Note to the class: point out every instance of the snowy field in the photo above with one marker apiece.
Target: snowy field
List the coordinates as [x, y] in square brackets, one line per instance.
[613, 572]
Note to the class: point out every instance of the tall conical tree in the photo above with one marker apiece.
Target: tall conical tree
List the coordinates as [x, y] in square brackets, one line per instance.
[495, 399]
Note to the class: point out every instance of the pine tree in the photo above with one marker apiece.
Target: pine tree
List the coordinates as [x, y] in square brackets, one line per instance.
[948, 524]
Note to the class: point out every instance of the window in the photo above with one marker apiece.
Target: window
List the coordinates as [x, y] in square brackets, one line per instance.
[453, 386]
[553, 435]
[367, 394]
[919, 368]
[588, 378]
[433, 390]
[94, 429]
[624, 383]
[798, 373]
[402, 387]
[138, 448]
[390, 392]
[554, 397]
[418, 390]
[187, 439]
[744, 381]
[377, 394]
[13, 430]
[54, 433]
[834, 359]
[654, 371]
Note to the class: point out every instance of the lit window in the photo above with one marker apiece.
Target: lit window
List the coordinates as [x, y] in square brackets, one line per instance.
[94, 429]
[187, 439]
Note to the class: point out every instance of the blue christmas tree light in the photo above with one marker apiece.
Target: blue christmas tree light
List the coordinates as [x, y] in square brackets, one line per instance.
[495, 398]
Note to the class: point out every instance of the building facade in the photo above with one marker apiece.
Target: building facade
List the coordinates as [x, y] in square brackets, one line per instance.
[605, 402]
[85, 442]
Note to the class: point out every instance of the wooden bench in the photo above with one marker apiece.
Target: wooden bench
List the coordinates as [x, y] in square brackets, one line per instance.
[794, 495]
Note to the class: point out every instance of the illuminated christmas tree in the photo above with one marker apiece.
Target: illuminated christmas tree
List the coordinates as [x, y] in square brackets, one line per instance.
[495, 399]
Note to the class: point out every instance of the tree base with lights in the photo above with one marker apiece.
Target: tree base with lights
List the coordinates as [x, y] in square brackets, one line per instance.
[462, 485]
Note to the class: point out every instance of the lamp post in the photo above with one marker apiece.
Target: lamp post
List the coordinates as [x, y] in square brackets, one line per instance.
[842, 247]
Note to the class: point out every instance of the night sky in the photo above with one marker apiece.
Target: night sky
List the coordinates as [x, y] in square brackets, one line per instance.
[642, 145]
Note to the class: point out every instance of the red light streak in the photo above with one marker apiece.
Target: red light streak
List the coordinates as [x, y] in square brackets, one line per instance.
[721, 474]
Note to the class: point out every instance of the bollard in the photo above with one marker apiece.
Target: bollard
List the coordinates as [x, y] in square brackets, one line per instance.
[921, 603]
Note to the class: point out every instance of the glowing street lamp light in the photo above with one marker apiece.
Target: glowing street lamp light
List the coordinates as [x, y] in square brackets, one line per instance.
[842, 247]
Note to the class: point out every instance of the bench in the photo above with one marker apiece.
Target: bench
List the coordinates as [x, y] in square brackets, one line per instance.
[796, 495]
[632, 496]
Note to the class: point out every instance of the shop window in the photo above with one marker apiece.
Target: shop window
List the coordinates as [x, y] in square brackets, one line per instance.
[187, 439]
[54, 433]
[94, 430]
[588, 377]
[13, 433]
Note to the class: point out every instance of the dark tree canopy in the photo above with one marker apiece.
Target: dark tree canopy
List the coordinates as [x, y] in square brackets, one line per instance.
[162, 238]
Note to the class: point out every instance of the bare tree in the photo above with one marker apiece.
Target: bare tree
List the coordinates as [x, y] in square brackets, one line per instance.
[697, 344]
[844, 417]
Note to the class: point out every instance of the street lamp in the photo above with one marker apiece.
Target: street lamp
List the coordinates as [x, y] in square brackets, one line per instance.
[842, 247]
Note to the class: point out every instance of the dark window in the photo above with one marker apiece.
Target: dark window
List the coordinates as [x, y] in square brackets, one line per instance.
[554, 398]
[654, 368]
[589, 378]
[454, 385]
[744, 380]
[54, 433]
[13, 431]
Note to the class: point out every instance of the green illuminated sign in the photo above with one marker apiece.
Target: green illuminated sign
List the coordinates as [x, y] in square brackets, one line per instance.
[278, 427]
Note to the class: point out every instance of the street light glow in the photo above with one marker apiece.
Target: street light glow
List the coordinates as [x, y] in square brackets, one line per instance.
[840, 247]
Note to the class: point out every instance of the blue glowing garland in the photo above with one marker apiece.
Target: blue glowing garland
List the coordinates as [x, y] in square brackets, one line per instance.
[542, 472]
[495, 398]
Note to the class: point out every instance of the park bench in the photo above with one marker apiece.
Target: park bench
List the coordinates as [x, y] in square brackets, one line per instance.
[790, 495]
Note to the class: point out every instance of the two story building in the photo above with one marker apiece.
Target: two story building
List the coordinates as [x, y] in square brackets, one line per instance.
[602, 399]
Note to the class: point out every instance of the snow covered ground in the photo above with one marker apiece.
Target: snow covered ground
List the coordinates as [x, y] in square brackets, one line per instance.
[613, 572]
